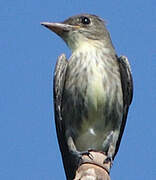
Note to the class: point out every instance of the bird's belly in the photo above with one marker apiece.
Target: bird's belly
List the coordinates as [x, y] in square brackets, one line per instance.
[93, 111]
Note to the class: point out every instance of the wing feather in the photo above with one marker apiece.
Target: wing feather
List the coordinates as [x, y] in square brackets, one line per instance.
[69, 161]
[59, 81]
[127, 88]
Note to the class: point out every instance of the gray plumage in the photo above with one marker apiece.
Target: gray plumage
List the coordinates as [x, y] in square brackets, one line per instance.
[92, 91]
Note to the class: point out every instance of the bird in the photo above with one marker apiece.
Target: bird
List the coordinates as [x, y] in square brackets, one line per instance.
[93, 90]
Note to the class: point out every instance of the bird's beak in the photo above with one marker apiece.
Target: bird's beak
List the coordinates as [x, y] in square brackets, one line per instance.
[59, 28]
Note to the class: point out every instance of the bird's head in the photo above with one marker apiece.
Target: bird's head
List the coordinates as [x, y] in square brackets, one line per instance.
[81, 29]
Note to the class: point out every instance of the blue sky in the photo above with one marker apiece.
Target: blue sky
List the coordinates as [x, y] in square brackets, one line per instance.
[28, 54]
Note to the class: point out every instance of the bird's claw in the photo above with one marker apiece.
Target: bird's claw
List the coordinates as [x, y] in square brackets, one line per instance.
[87, 153]
[107, 160]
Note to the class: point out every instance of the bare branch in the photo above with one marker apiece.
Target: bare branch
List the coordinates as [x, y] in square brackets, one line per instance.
[93, 169]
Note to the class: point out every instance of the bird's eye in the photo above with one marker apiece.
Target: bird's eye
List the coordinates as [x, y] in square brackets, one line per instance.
[85, 20]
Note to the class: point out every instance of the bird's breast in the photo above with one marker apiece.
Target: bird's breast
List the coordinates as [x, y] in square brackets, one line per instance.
[91, 96]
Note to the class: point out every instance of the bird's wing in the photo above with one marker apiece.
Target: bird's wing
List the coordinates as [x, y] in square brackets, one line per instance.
[59, 80]
[69, 161]
[127, 88]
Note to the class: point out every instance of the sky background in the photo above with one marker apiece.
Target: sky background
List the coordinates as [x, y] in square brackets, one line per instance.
[28, 54]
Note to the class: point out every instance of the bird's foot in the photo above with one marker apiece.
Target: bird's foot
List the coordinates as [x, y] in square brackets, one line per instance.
[87, 153]
[108, 160]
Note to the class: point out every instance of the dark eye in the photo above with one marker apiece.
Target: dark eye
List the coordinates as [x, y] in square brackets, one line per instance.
[85, 20]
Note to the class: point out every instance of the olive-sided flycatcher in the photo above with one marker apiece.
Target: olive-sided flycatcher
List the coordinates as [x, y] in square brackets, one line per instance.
[92, 90]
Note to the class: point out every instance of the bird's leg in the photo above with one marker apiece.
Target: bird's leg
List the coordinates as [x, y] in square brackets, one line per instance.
[109, 156]
[111, 142]
[107, 160]
[73, 149]
[87, 153]
[79, 154]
